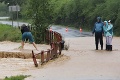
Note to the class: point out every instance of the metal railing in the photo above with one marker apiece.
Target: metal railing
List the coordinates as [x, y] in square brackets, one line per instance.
[54, 39]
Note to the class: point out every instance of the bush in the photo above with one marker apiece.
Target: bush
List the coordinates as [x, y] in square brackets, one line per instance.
[9, 33]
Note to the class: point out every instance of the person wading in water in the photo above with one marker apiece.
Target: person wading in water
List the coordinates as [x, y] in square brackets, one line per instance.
[98, 30]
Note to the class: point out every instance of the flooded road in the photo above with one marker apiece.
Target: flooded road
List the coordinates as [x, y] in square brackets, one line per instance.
[80, 62]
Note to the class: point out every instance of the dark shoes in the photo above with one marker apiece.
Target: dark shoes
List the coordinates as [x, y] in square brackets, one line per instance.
[96, 48]
[101, 48]
[109, 47]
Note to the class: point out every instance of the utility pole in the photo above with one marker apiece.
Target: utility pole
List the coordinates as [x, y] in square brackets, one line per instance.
[12, 15]
[17, 14]
[17, 9]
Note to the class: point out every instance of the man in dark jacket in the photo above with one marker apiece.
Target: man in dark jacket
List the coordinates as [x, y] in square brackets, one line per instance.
[98, 30]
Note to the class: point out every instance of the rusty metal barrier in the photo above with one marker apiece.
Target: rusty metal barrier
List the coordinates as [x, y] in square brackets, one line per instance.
[54, 39]
[53, 36]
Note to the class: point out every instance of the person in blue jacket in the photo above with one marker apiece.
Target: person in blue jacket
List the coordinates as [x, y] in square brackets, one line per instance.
[98, 30]
[109, 35]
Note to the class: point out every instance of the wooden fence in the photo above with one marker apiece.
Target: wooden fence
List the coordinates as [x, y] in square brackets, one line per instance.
[54, 39]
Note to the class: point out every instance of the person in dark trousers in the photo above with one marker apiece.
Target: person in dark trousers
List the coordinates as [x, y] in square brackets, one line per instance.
[26, 34]
[98, 30]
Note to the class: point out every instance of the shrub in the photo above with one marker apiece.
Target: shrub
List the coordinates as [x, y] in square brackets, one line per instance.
[9, 33]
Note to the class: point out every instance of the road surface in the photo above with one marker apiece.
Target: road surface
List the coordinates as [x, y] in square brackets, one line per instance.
[61, 29]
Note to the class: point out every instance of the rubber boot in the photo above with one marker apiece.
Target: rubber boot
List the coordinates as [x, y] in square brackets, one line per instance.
[101, 47]
[96, 47]
[107, 47]
[110, 47]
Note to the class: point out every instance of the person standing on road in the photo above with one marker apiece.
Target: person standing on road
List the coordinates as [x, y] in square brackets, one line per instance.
[105, 32]
[109, 35]
[98, 30]
[26, 34]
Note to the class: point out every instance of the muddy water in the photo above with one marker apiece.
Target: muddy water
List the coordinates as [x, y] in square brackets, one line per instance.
[83, 63]
[80, 62]
[14, 66]
[12, 50]
[14, 61]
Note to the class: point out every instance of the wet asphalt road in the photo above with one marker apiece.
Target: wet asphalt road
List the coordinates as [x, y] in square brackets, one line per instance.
[71, 33]
[15, 23]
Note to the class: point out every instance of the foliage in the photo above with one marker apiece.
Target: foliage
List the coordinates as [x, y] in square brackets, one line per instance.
[84, 12]
[8, 33]
[13, 2]
[20, 77]
[40, 12]
[3, 10]
[80, 13]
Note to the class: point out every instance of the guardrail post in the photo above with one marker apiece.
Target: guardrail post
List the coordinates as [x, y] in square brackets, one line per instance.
[48, 55]
[55, 50]
[34, 59]
[49, 36]
[54, 39]
[42, 57]
[60, 49]
[52, 50]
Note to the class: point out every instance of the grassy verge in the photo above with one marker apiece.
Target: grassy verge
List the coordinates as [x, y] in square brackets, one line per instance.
[20, 77]
[8, 33]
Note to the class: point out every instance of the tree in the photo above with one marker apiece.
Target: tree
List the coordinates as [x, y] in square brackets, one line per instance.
[3, 10]
[71, 12]
[13, 2]
[40, 12]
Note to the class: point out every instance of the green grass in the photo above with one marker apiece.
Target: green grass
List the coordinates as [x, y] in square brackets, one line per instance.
[20, 77]
[9, 33]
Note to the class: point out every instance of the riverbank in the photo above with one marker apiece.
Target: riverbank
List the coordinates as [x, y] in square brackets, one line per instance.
[80, 62]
